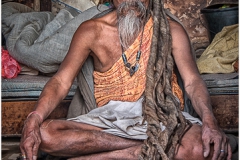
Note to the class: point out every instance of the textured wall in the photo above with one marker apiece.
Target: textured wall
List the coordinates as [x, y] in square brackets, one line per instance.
[188, 11]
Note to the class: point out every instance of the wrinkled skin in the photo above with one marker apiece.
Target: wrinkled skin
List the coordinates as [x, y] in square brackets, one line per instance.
[99, 38]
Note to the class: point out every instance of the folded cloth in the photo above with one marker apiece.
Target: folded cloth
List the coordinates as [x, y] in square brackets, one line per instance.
[123, 119]
[76, 4]
[222, 53]
[28, 70]
[41, 40]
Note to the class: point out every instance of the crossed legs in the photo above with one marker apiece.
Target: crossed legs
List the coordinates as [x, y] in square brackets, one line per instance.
[73, 139]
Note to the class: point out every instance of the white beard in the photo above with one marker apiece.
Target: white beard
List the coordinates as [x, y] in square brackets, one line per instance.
[131, 16]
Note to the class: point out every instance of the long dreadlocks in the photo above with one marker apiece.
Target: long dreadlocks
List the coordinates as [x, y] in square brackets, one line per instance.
[166, 124]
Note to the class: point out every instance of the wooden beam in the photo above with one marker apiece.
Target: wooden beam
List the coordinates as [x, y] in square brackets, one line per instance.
[225, 109]
[14, 114]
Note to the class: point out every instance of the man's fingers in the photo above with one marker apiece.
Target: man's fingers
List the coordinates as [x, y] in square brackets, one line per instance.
[229, 156]
[223, 150]
[30, 146]
[36, 144]
[28, 149]
[206, 148]
[23, 152]
[217, 149]
[31, 139]
[35, 151]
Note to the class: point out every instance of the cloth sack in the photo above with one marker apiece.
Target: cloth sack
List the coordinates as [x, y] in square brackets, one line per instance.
[41, 40]
[222, 53]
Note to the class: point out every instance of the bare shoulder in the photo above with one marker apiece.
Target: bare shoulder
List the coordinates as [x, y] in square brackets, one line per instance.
[176, 28]
[88, 30]
[93, 31]
[178, 33]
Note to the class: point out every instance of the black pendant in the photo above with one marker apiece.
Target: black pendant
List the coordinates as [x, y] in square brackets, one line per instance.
[133, 69]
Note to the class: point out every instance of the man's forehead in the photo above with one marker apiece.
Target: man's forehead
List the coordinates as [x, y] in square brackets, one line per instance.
[120, 1]
[128, 0]
[117, 2]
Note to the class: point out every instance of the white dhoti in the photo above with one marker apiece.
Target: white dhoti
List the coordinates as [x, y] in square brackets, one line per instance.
[122, 119]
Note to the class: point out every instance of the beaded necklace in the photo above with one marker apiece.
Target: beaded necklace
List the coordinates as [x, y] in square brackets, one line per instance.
[132, 68]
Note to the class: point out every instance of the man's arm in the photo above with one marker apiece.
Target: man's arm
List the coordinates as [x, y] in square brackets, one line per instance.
[58, 86]
[56, 89]
[197, 92]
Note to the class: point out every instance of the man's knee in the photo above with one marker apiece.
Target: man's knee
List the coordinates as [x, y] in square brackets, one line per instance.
[47, 132]
[191, 146]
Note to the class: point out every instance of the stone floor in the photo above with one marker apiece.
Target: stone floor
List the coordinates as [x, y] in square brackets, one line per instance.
[10, 148]
[11, 151]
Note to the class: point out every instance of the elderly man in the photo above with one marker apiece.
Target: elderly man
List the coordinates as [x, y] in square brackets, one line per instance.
[132, 49]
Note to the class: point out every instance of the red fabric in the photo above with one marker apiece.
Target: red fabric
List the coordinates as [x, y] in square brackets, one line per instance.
[10, 67]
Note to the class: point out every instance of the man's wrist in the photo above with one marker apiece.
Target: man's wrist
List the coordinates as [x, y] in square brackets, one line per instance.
[40, 119]
[209, 119]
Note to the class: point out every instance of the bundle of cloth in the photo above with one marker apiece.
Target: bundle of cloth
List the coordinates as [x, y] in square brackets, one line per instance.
[221, 56]
[40, 40]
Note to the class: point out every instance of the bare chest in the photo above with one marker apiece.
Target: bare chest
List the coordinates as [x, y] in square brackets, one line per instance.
[106, 52]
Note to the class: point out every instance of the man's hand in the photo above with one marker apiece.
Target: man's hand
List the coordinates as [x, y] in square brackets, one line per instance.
[31, 137]
[221, 146]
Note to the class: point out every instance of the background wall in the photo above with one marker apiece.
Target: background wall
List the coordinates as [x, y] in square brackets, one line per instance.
[188, 11]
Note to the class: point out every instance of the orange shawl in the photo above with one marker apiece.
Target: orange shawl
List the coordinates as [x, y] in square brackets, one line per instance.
[116, 83]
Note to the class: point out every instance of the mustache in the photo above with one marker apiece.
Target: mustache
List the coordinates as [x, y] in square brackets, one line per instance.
[131, 16]
[135, 6]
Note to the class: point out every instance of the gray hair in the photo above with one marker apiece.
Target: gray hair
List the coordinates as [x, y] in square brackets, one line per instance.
[130, 21]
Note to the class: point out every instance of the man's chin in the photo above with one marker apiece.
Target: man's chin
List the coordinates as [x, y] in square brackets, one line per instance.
[130, 21]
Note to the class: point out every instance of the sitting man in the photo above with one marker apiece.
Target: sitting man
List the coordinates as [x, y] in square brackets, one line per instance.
[133, 48]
